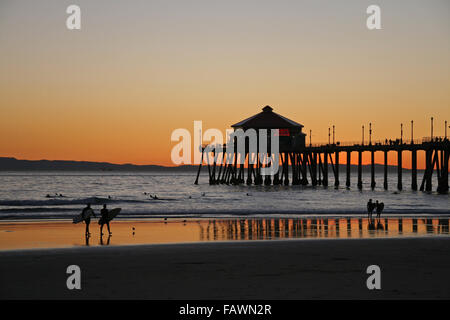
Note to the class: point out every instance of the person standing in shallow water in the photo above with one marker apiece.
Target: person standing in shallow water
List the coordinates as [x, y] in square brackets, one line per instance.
[370, 207]
[376, 206]
[380, 207]
[104, 219]
[87, 221]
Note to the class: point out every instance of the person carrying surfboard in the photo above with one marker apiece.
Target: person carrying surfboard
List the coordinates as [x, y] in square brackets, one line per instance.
[104, 219]
[88, 219]
[380, 207]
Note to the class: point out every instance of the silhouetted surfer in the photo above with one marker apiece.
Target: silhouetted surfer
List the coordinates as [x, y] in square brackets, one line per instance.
[380, 207]
[88, 219]
[370, 207]
[104, 219]
[376, 206]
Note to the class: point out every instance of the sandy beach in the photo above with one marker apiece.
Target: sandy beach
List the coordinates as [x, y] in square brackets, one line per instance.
[34, 234]
[279, 269]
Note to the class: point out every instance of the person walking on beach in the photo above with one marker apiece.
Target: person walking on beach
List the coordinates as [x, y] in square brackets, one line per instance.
[370, 207]
[380, 207]
[376, 206]
[87, 220]
[104, 220]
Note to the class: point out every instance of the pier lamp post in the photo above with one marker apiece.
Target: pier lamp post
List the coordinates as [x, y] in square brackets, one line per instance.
[362, 135]
[401, 133]
[329, 135]
[412, 131]
[445, 130]
[370, 133]
[310, 135]
[431, 128]
[333, 133]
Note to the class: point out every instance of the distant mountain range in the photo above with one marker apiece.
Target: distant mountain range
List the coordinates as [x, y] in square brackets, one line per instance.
[13, 164]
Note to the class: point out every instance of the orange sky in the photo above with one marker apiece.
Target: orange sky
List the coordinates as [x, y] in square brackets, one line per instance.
[115, 90]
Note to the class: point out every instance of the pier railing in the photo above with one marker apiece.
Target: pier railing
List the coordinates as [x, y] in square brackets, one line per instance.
[386, 142]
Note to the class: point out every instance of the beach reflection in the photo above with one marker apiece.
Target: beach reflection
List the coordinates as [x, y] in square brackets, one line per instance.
[108, 240]
[57, 234]
[268, 229]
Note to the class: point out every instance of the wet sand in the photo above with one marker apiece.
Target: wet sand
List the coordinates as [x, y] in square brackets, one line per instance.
[62, 234]
[226, 259]
[279, 269]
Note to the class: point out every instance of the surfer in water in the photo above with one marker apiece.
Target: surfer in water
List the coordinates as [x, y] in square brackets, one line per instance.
[104, 219]
[88, 219]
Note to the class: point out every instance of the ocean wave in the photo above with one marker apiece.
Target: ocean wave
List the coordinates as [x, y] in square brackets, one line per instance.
[39, 209]
[64, 213]
[65, 201]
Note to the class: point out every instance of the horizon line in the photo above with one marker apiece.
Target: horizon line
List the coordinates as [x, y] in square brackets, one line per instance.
[168, 166]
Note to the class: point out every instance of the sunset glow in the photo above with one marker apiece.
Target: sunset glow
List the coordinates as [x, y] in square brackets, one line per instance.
[115, 90]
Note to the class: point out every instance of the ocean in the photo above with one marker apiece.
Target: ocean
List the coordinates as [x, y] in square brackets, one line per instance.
[61, 195]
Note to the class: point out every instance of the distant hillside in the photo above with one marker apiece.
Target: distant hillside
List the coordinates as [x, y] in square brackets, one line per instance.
[12, 164]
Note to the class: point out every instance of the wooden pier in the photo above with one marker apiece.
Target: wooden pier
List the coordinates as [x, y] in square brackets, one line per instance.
[303, 165]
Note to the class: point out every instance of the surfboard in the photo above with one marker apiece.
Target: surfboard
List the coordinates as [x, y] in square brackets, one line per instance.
[80, 218]
[111, 215]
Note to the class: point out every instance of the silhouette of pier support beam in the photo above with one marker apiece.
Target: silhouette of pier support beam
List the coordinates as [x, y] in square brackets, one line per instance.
[336, 169]
[443, 178]
[347, 182]
[325, 169]
[199, 168]
[399, 170]
[213, 173]
[385, 182]
[295, 169]
[221, 167]
[428, 170]
[359, 169]
[414, 170]
[320, 170]
[286, 169]
[446, 160]
[372, 169]
[312, 165]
